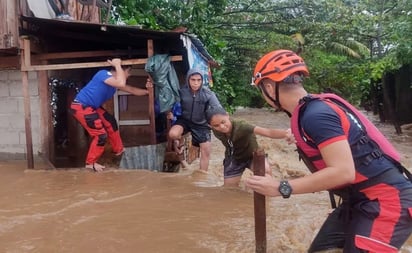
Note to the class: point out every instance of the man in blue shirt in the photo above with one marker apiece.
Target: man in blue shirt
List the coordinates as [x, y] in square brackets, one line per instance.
[87, 109]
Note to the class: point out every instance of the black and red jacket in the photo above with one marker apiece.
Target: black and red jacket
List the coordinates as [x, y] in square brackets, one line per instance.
[371, 138]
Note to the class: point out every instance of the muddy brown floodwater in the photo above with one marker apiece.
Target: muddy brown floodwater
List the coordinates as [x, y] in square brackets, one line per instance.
[118, 210]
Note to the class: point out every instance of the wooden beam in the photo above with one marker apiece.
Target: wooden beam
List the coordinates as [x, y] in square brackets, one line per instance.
[87, 64]
[26, 59]
[86, 54]
[137, 122]
[139, 72]
[10, 62]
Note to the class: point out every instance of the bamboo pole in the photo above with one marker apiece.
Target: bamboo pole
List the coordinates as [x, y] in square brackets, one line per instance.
[259, 203]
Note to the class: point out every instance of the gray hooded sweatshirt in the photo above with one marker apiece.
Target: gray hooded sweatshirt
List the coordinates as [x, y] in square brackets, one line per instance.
[194, 105]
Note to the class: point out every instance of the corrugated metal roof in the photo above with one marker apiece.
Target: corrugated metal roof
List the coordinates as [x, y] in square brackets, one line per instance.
[61, 35]
[67, 35]
[87, 28]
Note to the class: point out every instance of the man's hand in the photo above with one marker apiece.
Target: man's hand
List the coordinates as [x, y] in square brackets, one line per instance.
[266, 185]
[169, 115]
[149, 83]
[290, 138]
[115, 62]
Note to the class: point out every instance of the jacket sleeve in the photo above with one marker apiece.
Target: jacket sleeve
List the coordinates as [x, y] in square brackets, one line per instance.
[213, 101]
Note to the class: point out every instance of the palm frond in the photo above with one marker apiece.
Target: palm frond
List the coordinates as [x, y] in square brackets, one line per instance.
[344, 50]
[298, 37]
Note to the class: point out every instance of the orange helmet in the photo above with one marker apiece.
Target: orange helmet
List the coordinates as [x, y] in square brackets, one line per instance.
[278, 65]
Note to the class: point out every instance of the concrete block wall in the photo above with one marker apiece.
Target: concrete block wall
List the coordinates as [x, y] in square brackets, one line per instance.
[12, 128]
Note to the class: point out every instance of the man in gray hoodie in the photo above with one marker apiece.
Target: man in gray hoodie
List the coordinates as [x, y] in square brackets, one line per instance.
[195, 99]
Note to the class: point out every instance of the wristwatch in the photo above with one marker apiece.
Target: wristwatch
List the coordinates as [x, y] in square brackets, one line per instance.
[285, 189]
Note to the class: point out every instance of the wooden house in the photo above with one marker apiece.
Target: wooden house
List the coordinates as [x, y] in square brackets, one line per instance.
[49, 49]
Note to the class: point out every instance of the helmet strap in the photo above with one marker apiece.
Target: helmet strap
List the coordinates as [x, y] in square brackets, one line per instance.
[276, 99]
[277, 96]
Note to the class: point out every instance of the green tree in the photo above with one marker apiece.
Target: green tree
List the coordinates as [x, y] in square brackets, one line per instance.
[346, 42]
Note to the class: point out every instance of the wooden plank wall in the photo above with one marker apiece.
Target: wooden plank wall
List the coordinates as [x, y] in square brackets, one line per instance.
[8, 24]
[10, 10]
[85, 13]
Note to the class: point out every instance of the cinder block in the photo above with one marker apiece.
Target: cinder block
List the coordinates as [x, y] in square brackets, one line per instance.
[33, 76]
[4, 122]
[12, 156]
[16, 88]
[14, 75]
[35, 142]
[35, 106]
[10, 138]
[16, 121]
[9, 105]
[4, 89]
[4, 75]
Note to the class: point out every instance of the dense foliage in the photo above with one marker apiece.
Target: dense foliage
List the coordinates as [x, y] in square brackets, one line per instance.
[346, 43]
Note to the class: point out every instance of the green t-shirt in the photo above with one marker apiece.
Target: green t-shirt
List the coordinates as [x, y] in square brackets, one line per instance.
[241, 143]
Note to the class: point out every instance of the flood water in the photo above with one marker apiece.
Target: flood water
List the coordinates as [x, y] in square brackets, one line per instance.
[143, 211]
[139, 211]
[75, 210]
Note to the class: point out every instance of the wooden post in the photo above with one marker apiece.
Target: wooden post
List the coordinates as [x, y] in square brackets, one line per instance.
[108, 12]
[259, 203]
[25, 60]
[27, 120]
[46, 129]
[94, 12]
[150, 53]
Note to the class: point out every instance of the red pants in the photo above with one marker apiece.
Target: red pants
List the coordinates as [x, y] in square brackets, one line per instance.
[100, 125]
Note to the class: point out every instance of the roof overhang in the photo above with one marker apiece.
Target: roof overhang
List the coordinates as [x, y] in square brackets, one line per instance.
[68, 35]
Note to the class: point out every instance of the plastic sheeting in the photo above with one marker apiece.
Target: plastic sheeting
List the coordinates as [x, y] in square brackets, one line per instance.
[165, 81]
[41, 9]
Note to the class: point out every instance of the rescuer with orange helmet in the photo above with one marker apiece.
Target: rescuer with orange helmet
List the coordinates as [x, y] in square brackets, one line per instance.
[347, 155]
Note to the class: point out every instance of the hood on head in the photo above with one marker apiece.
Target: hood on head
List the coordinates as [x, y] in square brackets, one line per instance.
[192, 72]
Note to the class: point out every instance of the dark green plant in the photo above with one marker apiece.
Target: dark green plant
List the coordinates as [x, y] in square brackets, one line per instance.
[346, 44]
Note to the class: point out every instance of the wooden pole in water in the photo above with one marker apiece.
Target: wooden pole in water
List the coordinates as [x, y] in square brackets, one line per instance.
[259, 203]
